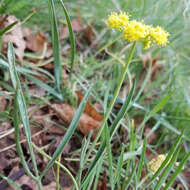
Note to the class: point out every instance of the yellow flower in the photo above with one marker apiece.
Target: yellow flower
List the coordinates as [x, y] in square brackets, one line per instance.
[137, 31]
[134, 31]
[155, 163]
[159, 35]
[116, 20]
[146, 42]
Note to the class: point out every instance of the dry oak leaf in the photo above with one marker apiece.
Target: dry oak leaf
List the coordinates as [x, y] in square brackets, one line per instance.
[15, 36]
[90, 110]
[86, 123]
[34, 42]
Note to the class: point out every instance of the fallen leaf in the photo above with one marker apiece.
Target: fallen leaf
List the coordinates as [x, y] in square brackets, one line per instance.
[88, 35]
[90, 110]
[34, 42]
[86, 123]
[15, 36]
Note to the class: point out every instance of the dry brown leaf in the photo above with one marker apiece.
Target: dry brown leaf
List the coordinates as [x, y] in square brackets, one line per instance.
[88, 35]
[15, 36]
[89, 110]
[34, 42]
[86, 123]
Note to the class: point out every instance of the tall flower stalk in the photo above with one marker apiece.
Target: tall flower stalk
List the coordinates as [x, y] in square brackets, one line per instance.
[133, 31]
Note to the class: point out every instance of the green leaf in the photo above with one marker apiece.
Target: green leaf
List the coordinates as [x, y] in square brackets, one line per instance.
[68, 134]
[109, 155]
[173, 148]
[5, 29]
[71, 35]
[55, 43]
[141, 161]
[10, 182]
[167, 170]
[45, 86]
[18, 69]
[119, 166]
[160, 105]
[17, 136]
[21, 103]
[58, 163]
[112, 131]
[128, 182]
[178, 170]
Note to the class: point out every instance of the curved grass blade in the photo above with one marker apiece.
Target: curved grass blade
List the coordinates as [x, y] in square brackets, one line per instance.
[21, 103]
[167, 170]
[109, 155]
[98, 170]
[5, 29]
[119, 167]
[85, 145]
[175, 145]
[10, 182]
[114, 126]
[71, 36]
[154, 111]
[128, 182]
[46, 87]
[178, 170]
[160, 104]
[58, 163]
[141, 161]
[18, 69]
[68, 134]
[26, 72]
[55, 44]
[17, 136]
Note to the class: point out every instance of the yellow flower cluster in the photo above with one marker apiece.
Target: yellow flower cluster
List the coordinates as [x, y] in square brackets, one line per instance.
[137, 31]
[118, 20]
[155, 163]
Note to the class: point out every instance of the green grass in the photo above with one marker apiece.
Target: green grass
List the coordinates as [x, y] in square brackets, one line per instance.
[101, 71]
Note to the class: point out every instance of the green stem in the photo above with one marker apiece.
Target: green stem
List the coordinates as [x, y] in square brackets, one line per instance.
[121, 79]
[62, 166]
[120, 83]
[40, 187]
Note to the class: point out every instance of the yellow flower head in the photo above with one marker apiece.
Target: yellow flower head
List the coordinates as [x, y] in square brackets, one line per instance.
[137, 31]
[159, 35]
[116, 20]
[155, 163]
[134, 30]
[146, 42]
